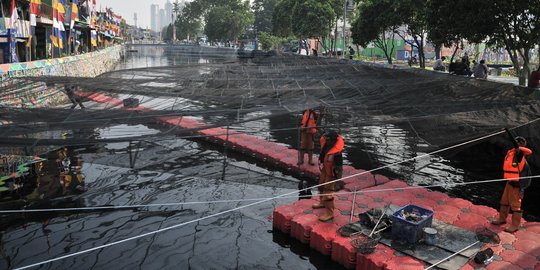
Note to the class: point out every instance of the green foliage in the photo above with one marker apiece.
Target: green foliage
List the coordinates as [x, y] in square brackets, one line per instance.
[282, 18]
[312, 18]
[516, 28]
[263, 10]
[374, 19]
[188, 21]
[224, 19]
[226, 23]
[270, 42]
[303, 18]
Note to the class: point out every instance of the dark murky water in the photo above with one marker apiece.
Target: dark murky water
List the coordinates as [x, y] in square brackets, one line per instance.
[172, 170]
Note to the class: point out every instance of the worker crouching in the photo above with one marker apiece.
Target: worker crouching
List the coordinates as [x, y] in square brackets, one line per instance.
[515, 170]
[331, 160]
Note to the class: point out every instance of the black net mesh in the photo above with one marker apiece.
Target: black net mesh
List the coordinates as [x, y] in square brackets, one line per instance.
[247, 92]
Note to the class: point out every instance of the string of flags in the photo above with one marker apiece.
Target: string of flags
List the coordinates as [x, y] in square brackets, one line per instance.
[66, 14]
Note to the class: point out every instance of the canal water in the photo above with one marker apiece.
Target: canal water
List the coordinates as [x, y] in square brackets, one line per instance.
[171, 169]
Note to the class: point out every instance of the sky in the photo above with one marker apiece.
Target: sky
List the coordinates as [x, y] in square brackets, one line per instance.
[127, 8]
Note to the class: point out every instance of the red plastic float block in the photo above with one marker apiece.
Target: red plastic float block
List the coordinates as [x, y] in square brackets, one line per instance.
[484, 211]
[424, 202]
[444, 216]
[531, 227]
[321, 238]
[282, 216]
[459, 203]
[470, 221]
[306, 203]
[468, 266]
[394, 184]
[519, 258]
[403, 263]
[363, 198]
[381, 179]
[301, 226]
[437, 196]
[447, 208]
[502, 265]
[341, 220]
[528, 246]
[506, 238]
[525, 234]
[341, 205]
[343, 252]
[398, 198]
[375, 260]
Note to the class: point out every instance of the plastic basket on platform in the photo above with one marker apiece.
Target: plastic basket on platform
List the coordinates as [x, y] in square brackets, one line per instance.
[410, 231]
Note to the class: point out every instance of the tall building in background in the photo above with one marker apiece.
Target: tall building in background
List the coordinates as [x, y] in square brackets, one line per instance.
[135, 19]
[162, 19]
[154, 22]
[169, 11]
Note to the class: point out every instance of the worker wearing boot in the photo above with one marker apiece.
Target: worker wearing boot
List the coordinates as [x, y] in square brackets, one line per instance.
[308, 128]
[515, 167]
[332, 168]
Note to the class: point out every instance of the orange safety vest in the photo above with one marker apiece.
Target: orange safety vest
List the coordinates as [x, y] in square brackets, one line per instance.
[308, 121]
[328, 162]
[511, 168]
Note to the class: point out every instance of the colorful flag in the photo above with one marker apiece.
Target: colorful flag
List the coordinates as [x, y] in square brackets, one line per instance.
[34, 7]
[74, 13]
[34, 12]
[58, 24]
[93, 38]
[14, 15]
[61, 11]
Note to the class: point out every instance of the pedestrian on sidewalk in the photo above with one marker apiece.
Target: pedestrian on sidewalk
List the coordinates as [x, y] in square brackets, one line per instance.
[439, 64]
[514, 168]
[534, 78]
[331, 159]
[351, 52]
[481, 70]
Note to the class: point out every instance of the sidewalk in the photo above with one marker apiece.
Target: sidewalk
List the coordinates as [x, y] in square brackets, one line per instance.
[504, 79]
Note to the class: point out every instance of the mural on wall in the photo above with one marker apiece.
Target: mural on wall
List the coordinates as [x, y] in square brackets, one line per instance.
[30, 95]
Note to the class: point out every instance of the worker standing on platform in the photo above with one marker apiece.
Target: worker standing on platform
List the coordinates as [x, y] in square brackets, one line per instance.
[515, 166]
[332, 168]
[308, 129]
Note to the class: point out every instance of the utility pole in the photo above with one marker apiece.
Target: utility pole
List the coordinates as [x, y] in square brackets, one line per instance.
[174, 23]
[346, 4]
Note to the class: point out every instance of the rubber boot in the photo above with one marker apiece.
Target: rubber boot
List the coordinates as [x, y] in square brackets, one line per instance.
[300, 158]
[503, 214]
[310, 158]
[318, 205]
[516, 220]
[329, 211]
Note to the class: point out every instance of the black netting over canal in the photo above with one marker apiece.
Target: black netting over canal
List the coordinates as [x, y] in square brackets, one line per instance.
[131, 157]
[441, 109]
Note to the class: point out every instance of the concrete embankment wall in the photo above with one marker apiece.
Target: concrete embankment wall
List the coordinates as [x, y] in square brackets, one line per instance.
[23, 94]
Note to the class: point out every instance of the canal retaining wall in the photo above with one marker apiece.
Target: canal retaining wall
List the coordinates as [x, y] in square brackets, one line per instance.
[20, 93]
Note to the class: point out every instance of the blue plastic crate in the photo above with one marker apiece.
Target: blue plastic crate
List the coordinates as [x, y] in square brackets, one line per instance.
[410, 231]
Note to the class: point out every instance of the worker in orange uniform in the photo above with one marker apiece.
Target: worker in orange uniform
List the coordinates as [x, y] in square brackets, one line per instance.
[515, 166]
[308, 128]
[332, 168]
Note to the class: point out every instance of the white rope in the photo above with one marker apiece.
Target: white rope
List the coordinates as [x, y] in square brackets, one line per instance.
[251, 204]
[113, 207]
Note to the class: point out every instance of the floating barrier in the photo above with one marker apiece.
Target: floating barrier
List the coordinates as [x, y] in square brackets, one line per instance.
[516, 251]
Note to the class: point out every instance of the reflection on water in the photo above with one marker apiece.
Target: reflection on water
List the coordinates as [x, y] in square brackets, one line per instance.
[56, 174]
